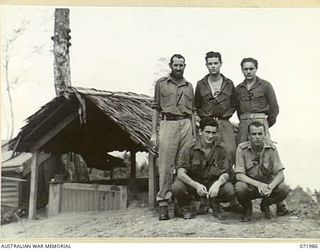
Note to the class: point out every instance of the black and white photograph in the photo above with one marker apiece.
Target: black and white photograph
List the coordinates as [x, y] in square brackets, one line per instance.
[164, 123]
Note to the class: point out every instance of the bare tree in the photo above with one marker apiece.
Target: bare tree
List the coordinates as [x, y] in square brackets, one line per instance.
[12, 54]
[8, 55]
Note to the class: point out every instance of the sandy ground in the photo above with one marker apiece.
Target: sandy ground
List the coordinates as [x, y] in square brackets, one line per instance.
[303, 222]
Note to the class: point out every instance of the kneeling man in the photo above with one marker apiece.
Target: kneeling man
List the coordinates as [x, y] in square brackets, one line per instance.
[259, 172]
[203, 170]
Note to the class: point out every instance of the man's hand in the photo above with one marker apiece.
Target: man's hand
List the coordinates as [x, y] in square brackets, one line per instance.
[264, 189]
[201, 190]
[270, 189]
[153, 140]
[214, 189]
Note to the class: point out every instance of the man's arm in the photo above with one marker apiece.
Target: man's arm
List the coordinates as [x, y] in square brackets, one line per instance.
[273, 104]
[182, 176]
[155, 118]
[263, 188]
[214, 189]
[279, 178]
[233, 101]
[155, 114]
[197, 99]
[193, 125]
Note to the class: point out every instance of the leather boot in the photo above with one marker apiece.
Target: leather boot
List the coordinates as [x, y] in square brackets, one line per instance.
[163, 213]
[216, 210]
[282, 210]
[203, 207]
[247, 214]
[187, 212]
[264, 206]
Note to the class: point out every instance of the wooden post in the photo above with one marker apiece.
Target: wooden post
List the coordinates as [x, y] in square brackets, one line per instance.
[133, 165]
[55, 190]
[61, 46]
[152, 180]
[33, 186]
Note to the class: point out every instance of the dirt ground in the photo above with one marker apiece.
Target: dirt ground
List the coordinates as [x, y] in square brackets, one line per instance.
[137, 221]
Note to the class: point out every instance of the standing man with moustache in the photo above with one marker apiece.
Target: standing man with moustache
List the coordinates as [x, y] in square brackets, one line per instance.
[174, 105]
[256, 101]
[215, 98]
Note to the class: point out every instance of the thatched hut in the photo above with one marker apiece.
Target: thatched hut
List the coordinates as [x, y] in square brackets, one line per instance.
[91, 123]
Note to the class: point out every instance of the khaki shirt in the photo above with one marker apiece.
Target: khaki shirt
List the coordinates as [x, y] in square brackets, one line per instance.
[201, 168]
[263, 167]
[261, 98]
[174, 97]
[223, 105]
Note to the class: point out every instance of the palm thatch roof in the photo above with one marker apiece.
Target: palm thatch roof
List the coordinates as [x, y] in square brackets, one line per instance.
[104, 121]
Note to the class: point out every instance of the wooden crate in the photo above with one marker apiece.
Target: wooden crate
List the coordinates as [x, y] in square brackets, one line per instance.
[75, 197]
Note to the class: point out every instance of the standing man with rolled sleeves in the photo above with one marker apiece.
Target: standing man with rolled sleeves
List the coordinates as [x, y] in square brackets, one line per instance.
[174, 105]
[256, 101]
[215, 98]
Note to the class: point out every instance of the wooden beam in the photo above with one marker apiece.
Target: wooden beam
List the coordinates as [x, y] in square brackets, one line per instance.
[54, 131]
[42, 122]
[33, 186]
[152, 179]
[12, 179]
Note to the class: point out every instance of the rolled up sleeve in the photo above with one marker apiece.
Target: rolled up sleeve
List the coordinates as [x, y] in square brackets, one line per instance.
[240, 165]
[185, 159]
[274, 107]
[277, 164]
[156, 101]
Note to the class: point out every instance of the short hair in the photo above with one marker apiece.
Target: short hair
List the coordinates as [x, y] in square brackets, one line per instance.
[249, 59]
[213, 54]
[208, 121]
[177, 56]
[256, 124]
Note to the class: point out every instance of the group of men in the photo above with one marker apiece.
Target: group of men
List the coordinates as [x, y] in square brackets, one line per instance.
[205, 162]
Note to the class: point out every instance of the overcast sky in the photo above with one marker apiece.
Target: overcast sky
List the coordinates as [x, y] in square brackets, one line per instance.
[118, 49]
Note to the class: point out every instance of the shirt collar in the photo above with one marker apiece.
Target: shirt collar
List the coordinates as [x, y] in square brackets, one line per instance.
[198, 145]
[179, 83]
[265, 145]
[205, 78]
[243, 84]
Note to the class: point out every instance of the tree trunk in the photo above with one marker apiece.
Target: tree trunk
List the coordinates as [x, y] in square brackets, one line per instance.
[10, 100]
[61, 46]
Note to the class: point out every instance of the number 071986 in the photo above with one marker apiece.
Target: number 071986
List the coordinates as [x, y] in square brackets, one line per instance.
[314, 246]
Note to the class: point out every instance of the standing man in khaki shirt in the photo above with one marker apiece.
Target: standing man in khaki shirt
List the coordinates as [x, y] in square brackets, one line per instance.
[256, 100]
[174, 105]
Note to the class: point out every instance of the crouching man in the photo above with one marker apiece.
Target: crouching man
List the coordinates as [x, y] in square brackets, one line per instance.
[259, 172]
[203, 171]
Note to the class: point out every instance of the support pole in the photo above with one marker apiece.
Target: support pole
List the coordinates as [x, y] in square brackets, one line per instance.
[133, 171]
[152, 179]
[34, 186]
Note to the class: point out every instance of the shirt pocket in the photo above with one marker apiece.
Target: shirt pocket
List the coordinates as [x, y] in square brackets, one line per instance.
[216, 169]
[185, 100]
[195, 168]
[222, 99]
[266, 169]
[207, 96]
[167, 98]
[259, 100]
